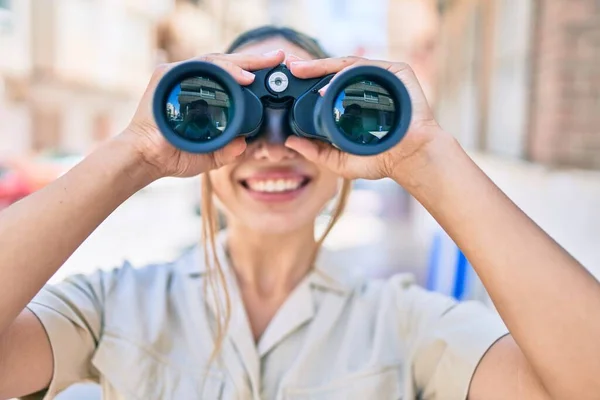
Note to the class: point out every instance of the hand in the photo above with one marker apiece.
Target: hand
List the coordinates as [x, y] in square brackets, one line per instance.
[164, 159]
[422, 131]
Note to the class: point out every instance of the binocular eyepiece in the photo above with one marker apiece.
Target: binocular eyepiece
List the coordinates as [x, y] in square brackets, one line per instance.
[200, 108]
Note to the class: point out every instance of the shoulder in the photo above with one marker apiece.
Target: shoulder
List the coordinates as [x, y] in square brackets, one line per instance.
[125, 282]
[135, 301]
[402, 299]
[151, 278]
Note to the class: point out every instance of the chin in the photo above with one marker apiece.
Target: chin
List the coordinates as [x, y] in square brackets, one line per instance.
[279, 224]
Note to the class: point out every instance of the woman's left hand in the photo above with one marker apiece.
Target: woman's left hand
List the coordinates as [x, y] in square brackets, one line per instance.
[422, 131]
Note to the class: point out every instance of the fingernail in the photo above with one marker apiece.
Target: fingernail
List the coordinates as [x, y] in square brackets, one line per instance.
[323, 89]
[248, 74]
[272, 53]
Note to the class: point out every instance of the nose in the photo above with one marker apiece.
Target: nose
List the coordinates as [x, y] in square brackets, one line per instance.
[270, 144]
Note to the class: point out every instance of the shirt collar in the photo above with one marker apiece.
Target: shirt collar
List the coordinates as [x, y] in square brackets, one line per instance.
[298, 309]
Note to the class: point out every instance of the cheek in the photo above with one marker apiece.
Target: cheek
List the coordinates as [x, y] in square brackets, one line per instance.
[223, 186]
[329, 184]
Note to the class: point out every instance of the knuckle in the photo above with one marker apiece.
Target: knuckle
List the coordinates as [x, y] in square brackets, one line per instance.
[353, 59]
[402, 66]
[209, 57]
[229, 66]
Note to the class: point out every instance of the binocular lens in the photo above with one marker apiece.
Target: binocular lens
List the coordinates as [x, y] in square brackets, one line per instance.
[198, 109]
[365, 112]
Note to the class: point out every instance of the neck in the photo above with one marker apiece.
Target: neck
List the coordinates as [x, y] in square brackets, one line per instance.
[270, 264]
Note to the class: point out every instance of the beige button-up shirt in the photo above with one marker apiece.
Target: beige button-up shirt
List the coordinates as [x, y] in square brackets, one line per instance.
[146, 333]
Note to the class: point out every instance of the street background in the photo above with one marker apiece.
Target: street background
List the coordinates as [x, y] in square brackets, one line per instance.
[516, 81]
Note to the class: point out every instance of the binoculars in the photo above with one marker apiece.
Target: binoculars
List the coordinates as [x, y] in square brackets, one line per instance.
[200, 108]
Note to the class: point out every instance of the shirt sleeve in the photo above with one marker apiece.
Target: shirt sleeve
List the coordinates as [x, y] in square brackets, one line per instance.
[447, 340]
[72, 313]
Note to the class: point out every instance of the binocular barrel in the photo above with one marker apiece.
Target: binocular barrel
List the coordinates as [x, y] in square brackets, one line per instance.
[200, 108]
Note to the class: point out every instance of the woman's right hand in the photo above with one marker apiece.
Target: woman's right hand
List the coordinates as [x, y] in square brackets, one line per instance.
[162, 158]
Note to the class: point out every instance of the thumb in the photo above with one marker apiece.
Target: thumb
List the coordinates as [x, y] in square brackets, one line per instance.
[318, 152]
[229, 153]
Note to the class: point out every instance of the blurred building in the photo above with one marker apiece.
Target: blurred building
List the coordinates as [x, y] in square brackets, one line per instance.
[74, 70]
[196, 27]
[519, 86]
[413, 37]
[521, 78]
[343, 27]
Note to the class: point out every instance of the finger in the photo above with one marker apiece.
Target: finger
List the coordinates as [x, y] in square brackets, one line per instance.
[250, 62]
[229, 153]
[318, 152]
[402, 70]
[392, 67]
[242, 76]
[159, 71]
[316, 68]
[290, 58]
[324, 89]
[408, 77]
[238, 65]
[145, 104]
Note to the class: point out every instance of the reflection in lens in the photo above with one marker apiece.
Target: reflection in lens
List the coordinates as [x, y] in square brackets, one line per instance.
[198, 109]
[365, 112]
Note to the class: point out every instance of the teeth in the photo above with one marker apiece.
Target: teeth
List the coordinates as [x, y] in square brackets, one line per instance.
[274, 185]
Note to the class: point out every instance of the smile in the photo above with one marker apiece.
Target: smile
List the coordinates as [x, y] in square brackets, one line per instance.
[275, 185]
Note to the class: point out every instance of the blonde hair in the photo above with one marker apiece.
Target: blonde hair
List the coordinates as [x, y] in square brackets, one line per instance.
[215, 277]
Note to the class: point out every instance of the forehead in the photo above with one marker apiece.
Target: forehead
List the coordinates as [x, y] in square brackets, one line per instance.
[272, 44]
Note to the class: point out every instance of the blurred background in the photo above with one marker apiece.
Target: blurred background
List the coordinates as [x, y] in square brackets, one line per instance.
[516, 81]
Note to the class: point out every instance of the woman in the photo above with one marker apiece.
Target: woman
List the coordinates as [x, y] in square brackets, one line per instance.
[197, 123]
[248, 316]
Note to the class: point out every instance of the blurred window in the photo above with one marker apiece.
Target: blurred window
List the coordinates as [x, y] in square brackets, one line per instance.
[207, 93]
[372, 97]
